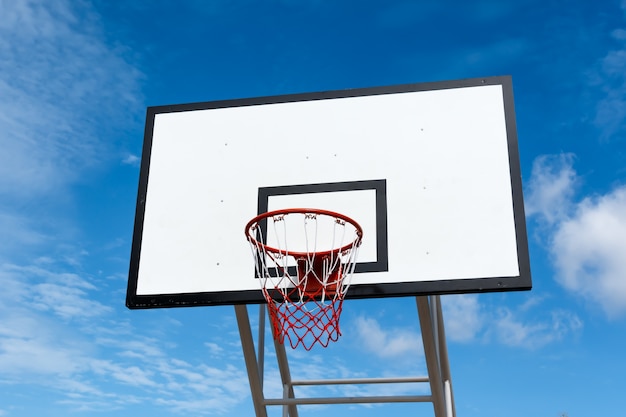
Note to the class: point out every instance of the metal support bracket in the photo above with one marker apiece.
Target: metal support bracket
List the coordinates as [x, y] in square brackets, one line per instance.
[435, 350]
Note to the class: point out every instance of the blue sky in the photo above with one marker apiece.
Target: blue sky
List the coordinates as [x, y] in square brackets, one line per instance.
[75, 80]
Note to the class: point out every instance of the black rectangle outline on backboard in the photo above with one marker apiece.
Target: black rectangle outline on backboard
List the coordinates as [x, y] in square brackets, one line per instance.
[522, 281]
[380, 188]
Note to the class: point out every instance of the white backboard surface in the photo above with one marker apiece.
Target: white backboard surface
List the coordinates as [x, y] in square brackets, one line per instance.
[430, 171]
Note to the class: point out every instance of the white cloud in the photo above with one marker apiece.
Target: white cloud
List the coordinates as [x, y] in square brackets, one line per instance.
[131, 375]
[136, 347]
[65, 358]
[463, 317]
[65, 294]
[66, 302]
[32, 346]
[532, 334]
[201, 406]
[551, 187]
[214, 348]
[589, 251]
[393, 342]
[131, 160]
[587, 237]
[32, 343]
[619, 34]
[202, 389]
[18, 230]
[466, 320]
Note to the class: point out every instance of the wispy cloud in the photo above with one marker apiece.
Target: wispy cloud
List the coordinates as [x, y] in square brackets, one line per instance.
[388, 343]
[609, 78]
[509, 330]
[63, 293]
[62, 85]
[34, 347]
[129, 375]
[131, 160]
[551, 187]
[463, 317]
[66, 91]
[34, 343]
[202, 389]
[469, 320]
[72, 354]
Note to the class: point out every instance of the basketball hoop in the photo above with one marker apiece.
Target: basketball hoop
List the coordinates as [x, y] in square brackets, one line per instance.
[304, 260]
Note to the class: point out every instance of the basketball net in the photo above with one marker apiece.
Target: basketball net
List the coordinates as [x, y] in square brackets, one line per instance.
[304, 261]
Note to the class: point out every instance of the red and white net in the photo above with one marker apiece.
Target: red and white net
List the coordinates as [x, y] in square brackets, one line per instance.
[304, 260]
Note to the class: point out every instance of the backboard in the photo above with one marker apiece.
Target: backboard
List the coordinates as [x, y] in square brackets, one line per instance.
[430, 171]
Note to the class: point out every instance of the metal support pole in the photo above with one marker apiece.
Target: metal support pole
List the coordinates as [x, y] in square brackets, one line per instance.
[261, 344]
[432, 359]
[433, 302]
[443, 356]
[285, 376]
[448, 393]
[247, 344]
